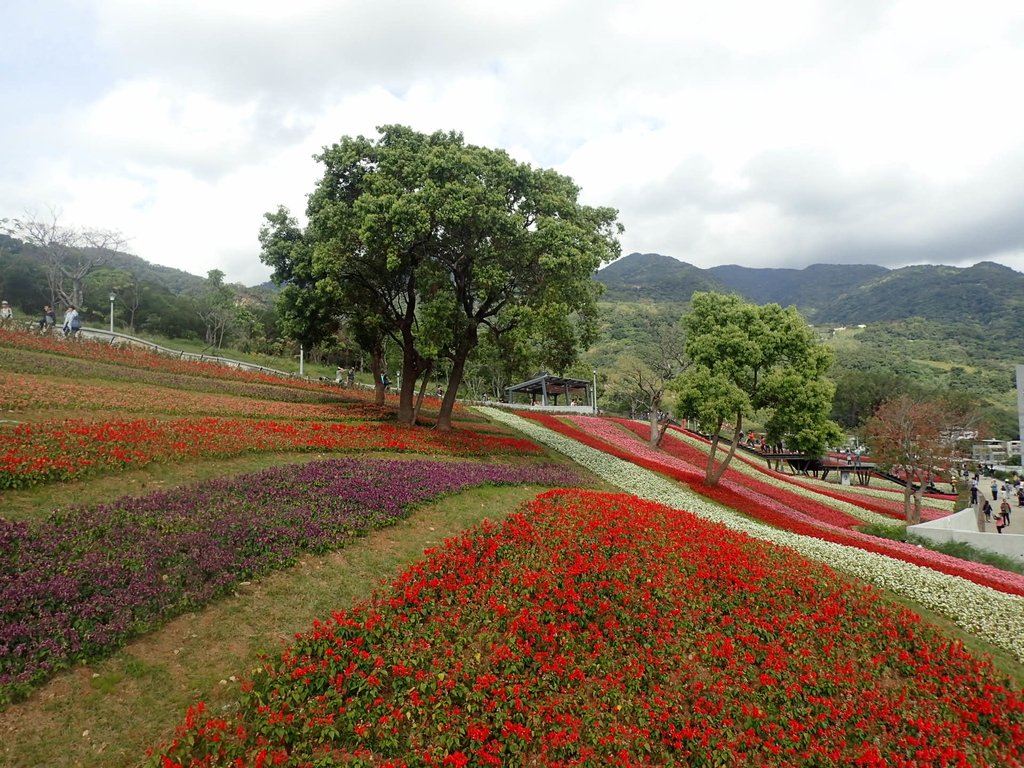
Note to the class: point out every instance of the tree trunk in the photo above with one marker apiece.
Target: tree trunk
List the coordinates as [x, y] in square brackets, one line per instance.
[919, 498]
[377, 368]
[444, 416]
[908, 491]
[407, 386]
[465, 346]
[709, 469]
[662, 429]
[654, 438]
[715, 474]
[423, 388]
[412, 366]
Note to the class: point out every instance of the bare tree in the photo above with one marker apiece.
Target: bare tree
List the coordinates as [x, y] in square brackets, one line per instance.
[216, 307]
[645, 382]
[916, 437]
[71, 253]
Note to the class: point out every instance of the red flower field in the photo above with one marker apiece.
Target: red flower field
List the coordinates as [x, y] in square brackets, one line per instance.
[49, 451]
[600, 629]
[801, 516]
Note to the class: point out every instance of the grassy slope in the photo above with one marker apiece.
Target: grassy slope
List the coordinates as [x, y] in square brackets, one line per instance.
[108, 713]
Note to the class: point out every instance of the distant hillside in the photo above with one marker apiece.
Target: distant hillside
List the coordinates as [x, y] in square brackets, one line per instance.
[813, 288]
[986, 294]
[653, 277]
[947, 328]
[177, 281]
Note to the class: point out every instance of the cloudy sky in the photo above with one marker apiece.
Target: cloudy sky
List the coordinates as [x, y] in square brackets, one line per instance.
[780, 133]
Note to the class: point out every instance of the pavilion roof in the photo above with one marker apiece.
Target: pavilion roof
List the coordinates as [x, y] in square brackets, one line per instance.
[546, 382]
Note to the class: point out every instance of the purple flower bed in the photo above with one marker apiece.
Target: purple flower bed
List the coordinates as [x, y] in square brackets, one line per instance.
[77, 586]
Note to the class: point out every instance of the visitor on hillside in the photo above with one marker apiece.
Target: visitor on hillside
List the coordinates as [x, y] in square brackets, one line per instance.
[351, 376]
[337, 375]
[995, 491]
[6, 315]
[385, 381]
[72, 322]
[1003, 518]
[987, 510]
[974, 494]
[48, 321]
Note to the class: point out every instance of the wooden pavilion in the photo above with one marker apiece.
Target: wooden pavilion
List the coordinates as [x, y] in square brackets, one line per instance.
[544, 389]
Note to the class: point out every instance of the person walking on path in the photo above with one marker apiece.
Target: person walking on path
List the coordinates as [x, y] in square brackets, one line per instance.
[987, 510]
[974, 493]
[1003, 518]
[995, 491]
[49, 321]
[72, 322]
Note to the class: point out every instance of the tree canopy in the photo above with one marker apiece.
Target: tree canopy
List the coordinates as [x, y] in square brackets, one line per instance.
[746, 359]
[434, 238]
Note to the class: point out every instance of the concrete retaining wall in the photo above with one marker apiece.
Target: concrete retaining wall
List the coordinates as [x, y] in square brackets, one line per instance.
[961, 527]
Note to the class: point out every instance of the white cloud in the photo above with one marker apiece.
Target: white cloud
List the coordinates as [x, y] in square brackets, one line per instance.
[730, 132]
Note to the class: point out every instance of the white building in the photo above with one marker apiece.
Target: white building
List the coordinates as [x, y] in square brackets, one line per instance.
[995, 451]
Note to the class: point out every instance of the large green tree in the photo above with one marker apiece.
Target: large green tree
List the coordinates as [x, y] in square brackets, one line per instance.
[747, 359]
[437, 238]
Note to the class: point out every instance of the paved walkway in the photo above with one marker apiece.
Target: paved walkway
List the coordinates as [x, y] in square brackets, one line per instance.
[1016, 513]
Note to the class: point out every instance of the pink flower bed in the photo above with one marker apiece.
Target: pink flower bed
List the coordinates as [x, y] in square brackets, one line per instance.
[893, 508]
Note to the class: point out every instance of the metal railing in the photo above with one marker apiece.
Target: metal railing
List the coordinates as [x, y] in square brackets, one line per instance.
[124, 338]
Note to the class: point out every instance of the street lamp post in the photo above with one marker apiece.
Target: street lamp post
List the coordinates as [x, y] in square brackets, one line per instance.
[595, 391]
[112, 297]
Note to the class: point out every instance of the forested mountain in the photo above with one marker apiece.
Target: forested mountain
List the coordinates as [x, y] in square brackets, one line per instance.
[149, 298]
[936, 327]
[175, 280]
[813, 289]
[986, 295]
[653, 277]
